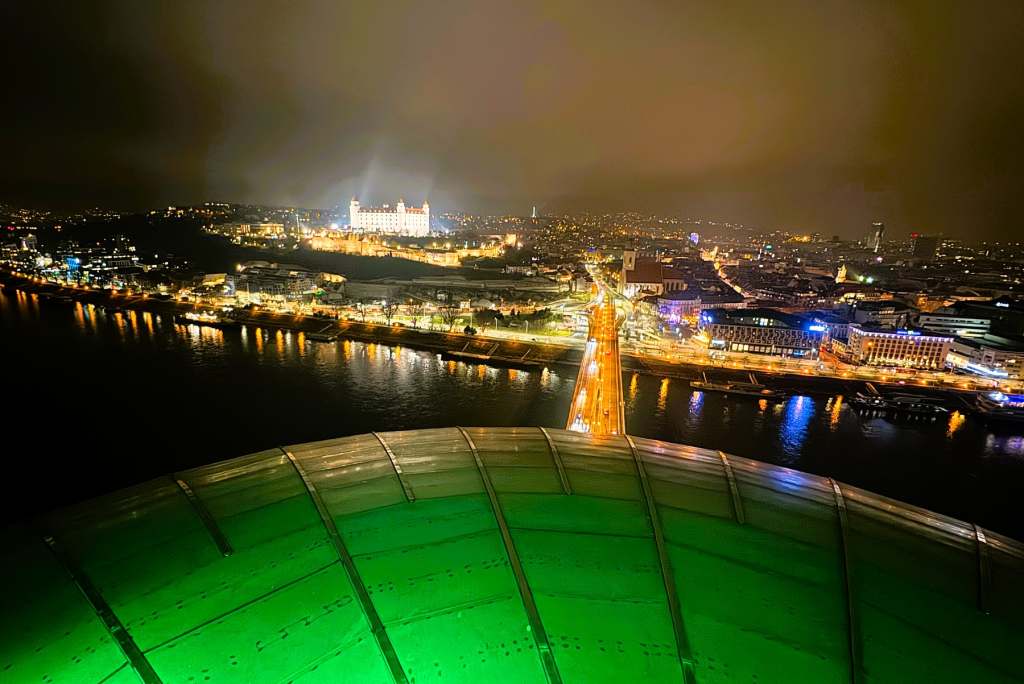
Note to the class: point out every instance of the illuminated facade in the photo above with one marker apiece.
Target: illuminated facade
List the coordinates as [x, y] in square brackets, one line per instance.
[402, 220]
[904, 348]
[437, 254]
[505, 555]
[761, 331]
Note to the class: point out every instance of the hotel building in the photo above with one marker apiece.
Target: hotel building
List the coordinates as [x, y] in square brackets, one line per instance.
[906, 348]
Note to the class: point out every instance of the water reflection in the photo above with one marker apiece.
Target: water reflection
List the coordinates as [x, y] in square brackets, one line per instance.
[798, 413]
[956, 421]
[663, 395]
[835, 411]
[696, 405]
[399, 387]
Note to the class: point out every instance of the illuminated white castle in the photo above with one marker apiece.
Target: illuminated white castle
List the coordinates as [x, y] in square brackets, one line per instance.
[401, 220]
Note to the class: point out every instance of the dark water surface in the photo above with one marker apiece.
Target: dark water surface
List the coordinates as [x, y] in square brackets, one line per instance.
[95, 401]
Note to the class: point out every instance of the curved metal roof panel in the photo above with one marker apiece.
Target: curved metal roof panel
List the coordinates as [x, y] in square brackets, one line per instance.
[506, 554]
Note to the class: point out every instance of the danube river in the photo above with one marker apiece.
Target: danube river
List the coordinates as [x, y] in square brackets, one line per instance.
[96, 400]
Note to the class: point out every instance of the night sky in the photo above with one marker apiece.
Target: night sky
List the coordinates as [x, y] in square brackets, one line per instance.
[806, 116]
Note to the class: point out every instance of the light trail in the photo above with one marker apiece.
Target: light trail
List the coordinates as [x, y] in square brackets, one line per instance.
[597, 404]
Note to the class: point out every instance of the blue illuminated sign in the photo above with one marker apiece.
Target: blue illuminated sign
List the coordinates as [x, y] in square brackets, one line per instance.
[817, 328]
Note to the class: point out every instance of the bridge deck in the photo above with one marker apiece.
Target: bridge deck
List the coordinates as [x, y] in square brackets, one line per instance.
[597, 406]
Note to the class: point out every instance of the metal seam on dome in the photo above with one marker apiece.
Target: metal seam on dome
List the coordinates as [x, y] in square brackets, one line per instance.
[136, 658]
[409, 494]
[675, 608]
[984, 569]
[366, 603]
[223, 545]
[851, 621]
[556, 457]
[737, 502]
[540, 636]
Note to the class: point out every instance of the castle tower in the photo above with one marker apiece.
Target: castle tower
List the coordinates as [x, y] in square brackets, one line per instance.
[353, 213]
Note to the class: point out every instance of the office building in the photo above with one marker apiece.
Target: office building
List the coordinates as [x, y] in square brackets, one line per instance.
[925, 246]
[991, 356]
[877, 233]
[953, 324]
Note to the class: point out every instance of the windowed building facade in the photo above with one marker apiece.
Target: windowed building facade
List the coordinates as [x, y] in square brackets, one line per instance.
[903, 348]
[761, 331]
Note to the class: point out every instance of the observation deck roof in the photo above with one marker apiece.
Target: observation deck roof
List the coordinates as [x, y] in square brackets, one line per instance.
[505, 555]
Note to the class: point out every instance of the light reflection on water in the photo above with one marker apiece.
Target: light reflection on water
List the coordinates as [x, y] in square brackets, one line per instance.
[793, 431]
[277, 387]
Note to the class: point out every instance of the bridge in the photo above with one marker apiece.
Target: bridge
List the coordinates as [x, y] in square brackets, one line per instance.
[597, 407]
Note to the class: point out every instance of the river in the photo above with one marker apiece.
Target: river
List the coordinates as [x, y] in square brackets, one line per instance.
[96, 401]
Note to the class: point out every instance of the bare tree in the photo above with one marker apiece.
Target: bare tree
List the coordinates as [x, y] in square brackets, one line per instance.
[389, 308]
[416, 312]
[449, 310]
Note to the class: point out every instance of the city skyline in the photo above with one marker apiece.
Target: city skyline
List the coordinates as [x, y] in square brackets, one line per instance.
[809, 118]
[556, 342]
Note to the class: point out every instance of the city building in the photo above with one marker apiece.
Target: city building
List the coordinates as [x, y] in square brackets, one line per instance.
[884, 313]
[645, 275]
[837, 325]
[992, 356]
[924, 246]
[878, 232]
[676, 306]
[401, 220]
[953, 324]
[761, 331]
[477, 556]
[874, 346]
[1005, 313]
[256, 281]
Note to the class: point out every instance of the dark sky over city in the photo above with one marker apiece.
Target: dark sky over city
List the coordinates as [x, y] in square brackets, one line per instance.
[815, 116]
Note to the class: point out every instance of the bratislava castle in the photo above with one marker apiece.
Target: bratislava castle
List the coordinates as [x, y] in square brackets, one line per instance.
[401, 220]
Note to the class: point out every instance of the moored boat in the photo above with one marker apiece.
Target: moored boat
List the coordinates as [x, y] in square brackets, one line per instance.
[206, 318]
[999, 406]
[746, 389]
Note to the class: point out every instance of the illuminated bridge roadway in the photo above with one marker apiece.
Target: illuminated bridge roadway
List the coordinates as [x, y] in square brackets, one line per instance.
[597, 406]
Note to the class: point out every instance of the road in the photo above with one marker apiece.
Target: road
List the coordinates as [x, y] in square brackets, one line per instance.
[672, 353]
[597, 407]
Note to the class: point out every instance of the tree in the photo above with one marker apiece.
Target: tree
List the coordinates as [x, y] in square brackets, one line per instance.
[389, 308]
[449, 310]
[450, 314]
[416, 312]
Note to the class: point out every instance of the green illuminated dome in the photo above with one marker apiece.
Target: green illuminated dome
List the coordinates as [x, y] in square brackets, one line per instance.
[506, 555]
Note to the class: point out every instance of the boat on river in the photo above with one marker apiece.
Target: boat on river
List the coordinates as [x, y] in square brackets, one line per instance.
[1000, 407]
[206, 318]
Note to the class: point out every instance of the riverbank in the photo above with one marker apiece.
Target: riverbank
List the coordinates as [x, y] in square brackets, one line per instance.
[477, 349]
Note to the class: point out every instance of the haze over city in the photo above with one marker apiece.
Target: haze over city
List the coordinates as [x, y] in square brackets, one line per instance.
[804, 116]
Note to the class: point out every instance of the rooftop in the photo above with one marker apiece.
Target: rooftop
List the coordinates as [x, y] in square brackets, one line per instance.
[753, 316]
[908, 332]
[505, 555]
